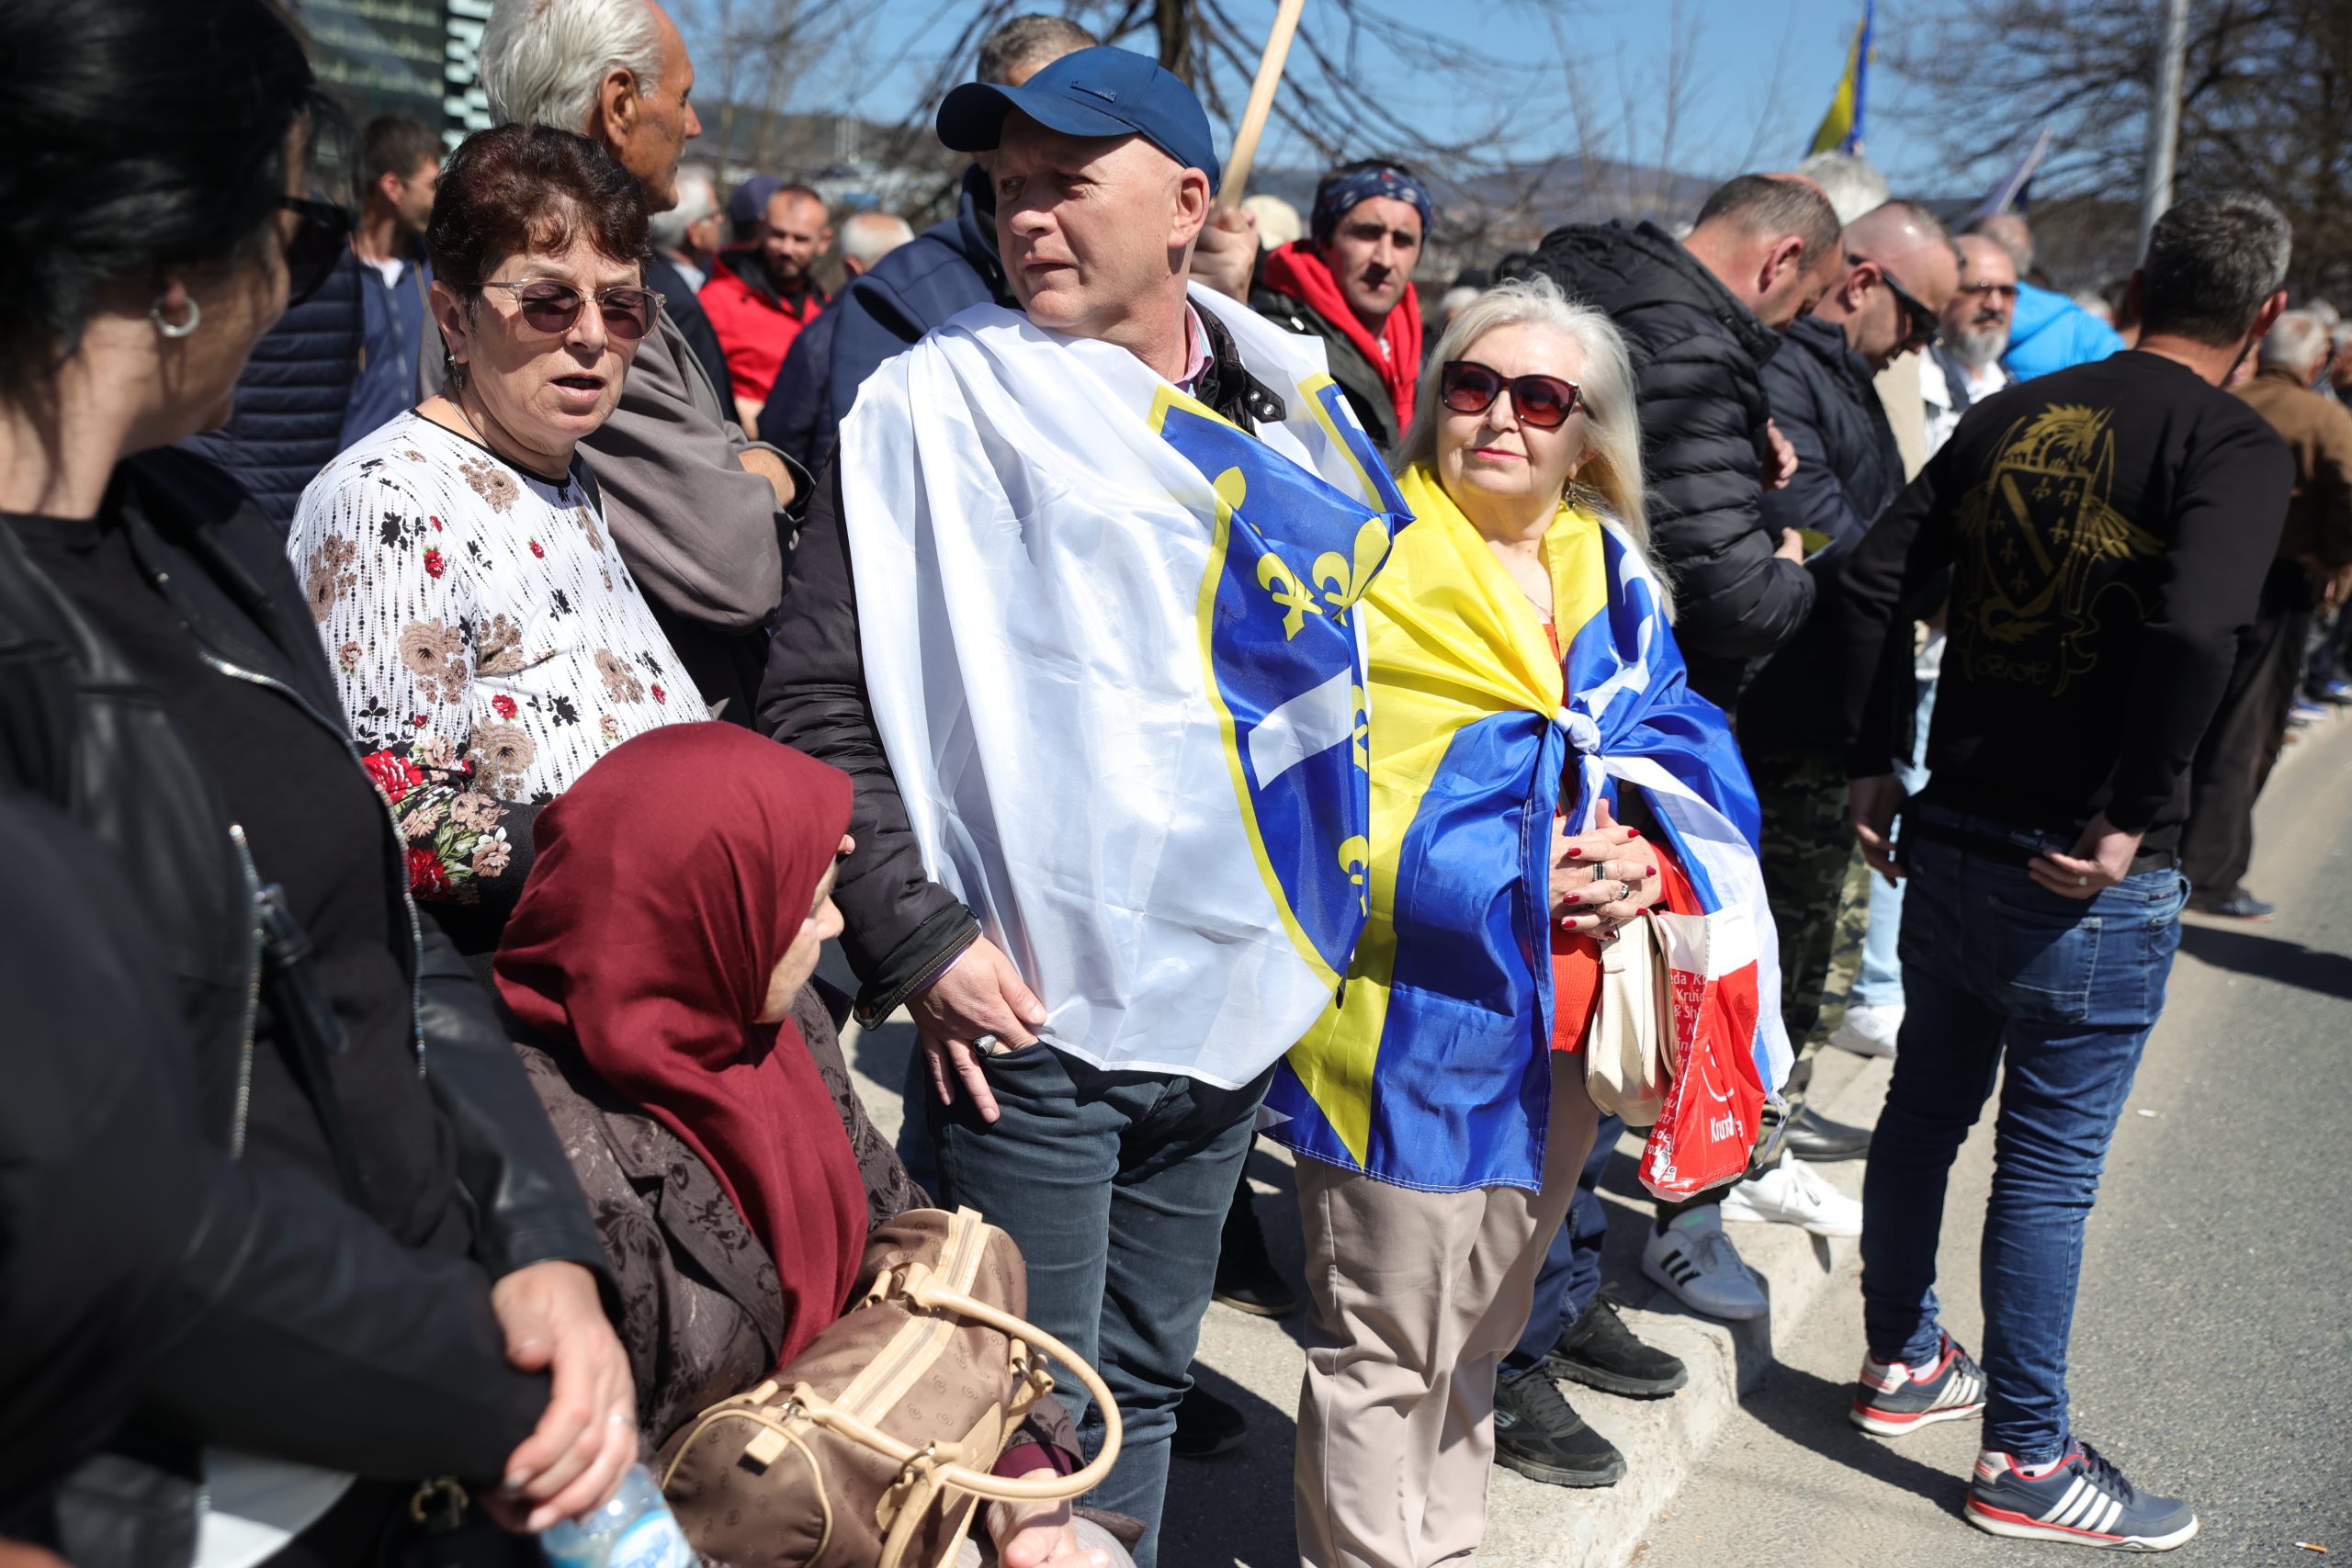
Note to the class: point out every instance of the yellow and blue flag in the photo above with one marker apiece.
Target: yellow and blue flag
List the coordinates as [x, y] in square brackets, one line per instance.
[1432, 1070]
[1841, 127]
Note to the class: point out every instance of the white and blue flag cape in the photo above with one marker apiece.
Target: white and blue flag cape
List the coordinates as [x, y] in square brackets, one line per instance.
[1110, 650]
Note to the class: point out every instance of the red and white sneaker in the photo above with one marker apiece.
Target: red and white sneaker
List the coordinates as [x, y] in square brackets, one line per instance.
[1892, 1399]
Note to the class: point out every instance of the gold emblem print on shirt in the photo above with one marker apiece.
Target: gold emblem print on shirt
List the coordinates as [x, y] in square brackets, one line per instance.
[2040, 545]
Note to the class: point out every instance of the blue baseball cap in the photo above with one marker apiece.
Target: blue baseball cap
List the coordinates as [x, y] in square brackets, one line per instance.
[749, 202]
[1095, 92]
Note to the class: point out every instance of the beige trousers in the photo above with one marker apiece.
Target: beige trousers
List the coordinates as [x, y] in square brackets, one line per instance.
[1417, 1296]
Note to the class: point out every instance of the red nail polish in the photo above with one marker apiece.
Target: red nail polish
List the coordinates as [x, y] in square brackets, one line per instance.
[1649, 870]
[1575, 853]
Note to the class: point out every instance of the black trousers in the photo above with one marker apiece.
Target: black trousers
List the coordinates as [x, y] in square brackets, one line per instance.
[2235, 759]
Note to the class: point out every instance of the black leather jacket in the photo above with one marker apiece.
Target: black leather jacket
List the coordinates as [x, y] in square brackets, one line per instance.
[77, 729]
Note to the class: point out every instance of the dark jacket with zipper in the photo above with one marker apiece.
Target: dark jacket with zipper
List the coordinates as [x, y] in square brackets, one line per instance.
[899, 928]
[403, 1339]
[1849, 470]
[1357, 375]
[1699, 357]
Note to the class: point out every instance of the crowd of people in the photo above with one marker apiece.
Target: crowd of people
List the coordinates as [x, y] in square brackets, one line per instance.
[469, 649]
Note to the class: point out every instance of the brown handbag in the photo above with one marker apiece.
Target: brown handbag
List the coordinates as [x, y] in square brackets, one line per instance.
[871, 1450]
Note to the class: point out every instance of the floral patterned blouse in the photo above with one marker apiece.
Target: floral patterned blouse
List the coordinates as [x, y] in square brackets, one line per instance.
[489, 644]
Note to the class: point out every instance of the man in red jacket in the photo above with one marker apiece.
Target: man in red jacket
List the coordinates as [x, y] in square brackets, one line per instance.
[761, 294]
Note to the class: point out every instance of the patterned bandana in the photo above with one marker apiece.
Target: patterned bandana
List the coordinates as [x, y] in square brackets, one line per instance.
[1335, 201]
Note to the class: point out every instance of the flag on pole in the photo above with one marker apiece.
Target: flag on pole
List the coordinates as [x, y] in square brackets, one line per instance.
[1841, 127]
[2010, 194]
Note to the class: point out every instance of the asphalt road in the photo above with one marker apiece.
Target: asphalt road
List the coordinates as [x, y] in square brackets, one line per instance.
[2213, 1345]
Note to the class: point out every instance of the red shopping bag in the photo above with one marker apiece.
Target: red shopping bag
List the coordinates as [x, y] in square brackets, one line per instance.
[1707, 1128]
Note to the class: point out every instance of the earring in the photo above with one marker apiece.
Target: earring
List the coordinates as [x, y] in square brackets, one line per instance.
[180, 329]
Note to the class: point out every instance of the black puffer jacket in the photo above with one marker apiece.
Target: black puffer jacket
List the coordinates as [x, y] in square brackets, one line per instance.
[1699, 357]
[288, 423]
[407, 1336]
[1357, 375]
[1849, 470]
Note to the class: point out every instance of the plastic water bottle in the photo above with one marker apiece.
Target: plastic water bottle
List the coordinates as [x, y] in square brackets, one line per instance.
[636, 1530]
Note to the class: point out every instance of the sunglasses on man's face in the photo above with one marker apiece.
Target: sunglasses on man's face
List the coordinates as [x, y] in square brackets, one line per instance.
[552, 307]
[318, 239]
[2006, 293]
[1465, 385]
[1925, 323]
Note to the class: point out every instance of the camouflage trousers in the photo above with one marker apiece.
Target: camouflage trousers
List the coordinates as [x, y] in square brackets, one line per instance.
[1819, 892]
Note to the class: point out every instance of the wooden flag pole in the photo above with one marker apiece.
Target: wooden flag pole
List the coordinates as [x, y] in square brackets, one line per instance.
[1261, 102]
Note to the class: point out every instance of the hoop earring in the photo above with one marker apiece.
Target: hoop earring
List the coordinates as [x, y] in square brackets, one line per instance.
[178, 330]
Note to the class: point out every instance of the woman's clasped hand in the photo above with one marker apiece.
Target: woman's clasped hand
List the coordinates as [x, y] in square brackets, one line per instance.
[1602, 877]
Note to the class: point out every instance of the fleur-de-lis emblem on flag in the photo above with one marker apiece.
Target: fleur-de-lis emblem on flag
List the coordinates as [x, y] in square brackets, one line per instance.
[1296, 599]
[1361, 734]
[1355, 859]
[1344, 581]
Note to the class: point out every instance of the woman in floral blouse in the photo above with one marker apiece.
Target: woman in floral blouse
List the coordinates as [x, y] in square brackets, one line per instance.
[489, 643]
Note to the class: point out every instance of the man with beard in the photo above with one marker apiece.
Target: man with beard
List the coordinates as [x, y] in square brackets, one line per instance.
[1350, 282]
[761, 295]
[1966, 366]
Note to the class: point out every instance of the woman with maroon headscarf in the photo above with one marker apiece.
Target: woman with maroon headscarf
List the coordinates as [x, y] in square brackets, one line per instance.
[656, 968]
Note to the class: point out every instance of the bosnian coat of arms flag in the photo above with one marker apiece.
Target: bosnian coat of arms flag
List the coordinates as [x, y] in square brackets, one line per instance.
[1432, 1069]
[1110, 648]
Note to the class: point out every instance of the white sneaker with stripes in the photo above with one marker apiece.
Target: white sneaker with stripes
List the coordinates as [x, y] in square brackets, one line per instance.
[2079, 1498]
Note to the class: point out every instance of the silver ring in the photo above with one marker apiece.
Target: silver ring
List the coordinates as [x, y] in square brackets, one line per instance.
[620, 1418]
[2082, 882]
[985, 1044]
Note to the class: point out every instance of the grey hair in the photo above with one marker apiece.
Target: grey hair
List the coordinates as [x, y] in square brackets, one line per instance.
[1851, 182]
[697, 199]
[2012, 234]
[543, 62]
[2212, 260]
[2296, 342]
[869, 236]
[1032, 39]
[1612, 464]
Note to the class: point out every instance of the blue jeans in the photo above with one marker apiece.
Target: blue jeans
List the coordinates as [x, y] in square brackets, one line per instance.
[1571, 1273]
[1879, 983]
[1115, 1186]
[2065, 990]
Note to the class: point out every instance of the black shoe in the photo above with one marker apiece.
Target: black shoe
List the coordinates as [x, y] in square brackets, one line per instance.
[1537, 1435]
[1601, 1352]
[2240, 905]
[1246, 1279]
[1206, 1426]
[1815, 1137]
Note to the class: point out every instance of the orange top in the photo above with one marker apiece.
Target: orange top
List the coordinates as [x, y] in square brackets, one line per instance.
[1576, 958]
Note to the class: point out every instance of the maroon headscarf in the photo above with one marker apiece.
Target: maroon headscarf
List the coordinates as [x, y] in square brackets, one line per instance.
[665, 884]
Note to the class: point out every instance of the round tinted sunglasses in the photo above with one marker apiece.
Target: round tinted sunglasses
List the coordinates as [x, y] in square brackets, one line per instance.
[317, 244]
[552, 307]
[1465, 385]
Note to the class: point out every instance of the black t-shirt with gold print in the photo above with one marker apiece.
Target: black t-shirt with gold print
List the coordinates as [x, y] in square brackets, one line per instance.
[2106, 530]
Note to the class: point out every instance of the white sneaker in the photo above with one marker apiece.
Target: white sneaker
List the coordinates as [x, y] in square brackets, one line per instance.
[1793, 1193]
[1869, 1031]
[1696, 1261]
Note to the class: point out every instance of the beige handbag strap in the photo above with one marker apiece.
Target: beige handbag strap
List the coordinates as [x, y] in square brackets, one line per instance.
[946, 1461]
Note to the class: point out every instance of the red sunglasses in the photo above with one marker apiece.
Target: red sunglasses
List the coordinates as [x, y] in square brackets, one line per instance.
[1465, 385]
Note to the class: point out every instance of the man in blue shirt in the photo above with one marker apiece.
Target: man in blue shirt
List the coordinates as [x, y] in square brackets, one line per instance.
[400, 360]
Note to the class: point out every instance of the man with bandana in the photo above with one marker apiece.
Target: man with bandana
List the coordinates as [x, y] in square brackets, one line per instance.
[1350, 283]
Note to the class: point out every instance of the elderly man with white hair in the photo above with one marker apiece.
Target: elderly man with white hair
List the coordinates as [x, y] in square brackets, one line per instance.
[2313, 569]
[686, 238]
[697, 509]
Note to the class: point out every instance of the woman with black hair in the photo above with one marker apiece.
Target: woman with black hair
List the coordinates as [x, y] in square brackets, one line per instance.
[161, 681]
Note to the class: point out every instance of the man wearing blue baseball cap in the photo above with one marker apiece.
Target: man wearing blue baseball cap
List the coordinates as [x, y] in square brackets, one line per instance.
[1071, 607]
